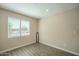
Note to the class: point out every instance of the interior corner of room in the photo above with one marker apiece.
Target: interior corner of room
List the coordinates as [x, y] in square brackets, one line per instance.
[54, 25]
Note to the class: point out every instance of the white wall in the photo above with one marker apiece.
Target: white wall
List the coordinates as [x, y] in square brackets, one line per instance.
[8, 43]
[61, 30]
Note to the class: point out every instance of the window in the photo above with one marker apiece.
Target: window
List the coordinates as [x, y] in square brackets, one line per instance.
[13, 27]
[25, 27]
[17, 27]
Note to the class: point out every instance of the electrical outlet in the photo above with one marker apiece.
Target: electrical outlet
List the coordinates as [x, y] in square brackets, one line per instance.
[65, 44]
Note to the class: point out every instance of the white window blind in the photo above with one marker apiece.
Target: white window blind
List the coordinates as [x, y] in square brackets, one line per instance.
[17, 27]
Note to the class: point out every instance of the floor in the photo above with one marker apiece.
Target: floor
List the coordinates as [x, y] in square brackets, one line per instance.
[37, 49]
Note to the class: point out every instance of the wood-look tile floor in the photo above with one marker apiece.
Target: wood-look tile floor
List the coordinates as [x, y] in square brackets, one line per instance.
[37, 49]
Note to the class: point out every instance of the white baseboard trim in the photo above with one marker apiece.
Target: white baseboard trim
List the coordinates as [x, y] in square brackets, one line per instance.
[60, 48]
[16, 47]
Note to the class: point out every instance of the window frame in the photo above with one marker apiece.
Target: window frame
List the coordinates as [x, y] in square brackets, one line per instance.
[19, 30]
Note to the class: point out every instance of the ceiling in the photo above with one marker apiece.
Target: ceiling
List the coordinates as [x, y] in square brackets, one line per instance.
[38, 10]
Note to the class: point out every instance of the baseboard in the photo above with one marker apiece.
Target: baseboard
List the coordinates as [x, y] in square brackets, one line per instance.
[16, 47]
[61, 48]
